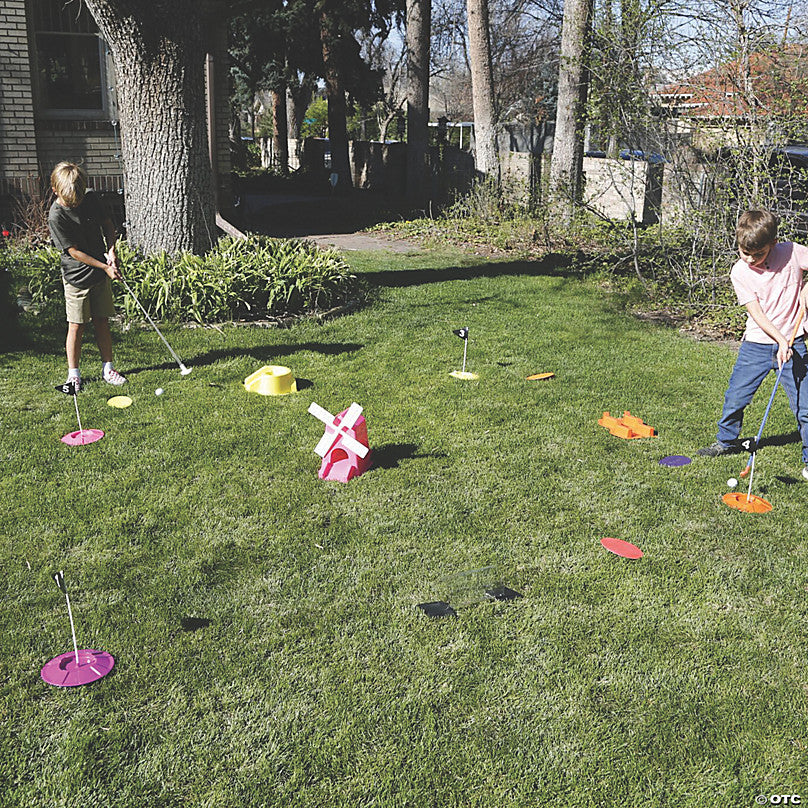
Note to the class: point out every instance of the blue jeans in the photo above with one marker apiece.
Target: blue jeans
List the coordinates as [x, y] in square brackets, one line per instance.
[753, 364]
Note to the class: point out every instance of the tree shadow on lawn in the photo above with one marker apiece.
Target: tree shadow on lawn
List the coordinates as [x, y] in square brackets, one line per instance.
[553, 265]
[262, 354]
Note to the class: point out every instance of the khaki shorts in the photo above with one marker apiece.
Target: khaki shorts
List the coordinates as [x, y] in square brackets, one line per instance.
[81, 305]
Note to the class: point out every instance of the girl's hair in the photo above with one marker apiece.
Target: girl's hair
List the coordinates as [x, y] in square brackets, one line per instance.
[69, 181]
[756, 230]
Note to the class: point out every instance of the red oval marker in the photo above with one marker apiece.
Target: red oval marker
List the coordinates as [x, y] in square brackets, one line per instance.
[622, 548]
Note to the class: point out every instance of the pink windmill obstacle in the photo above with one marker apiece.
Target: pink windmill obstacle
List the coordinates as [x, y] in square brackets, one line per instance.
[344, 445]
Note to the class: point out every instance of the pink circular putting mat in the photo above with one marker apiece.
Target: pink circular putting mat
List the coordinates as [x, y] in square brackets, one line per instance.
[63, 671]
[82, 437]
[621, 548]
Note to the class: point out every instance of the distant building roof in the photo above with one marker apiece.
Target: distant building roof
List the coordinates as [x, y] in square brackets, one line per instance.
[778, 79]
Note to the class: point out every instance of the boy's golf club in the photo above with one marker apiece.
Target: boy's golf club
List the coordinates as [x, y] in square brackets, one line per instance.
[750, 465]
[183, 370]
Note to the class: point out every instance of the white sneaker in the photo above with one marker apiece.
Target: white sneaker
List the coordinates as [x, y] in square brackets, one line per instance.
[805, 472]
[113, 377]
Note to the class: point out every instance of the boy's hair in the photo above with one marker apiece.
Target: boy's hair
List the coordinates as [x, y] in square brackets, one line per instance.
[756, 230]
[69, 181]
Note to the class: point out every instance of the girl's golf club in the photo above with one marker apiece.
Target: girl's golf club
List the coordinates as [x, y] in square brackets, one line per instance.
[751, 462]
[183, 370]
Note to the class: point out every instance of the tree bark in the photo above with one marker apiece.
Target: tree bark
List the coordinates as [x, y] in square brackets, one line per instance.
[419, 13]
[337, 106]
[298, 98]
[159, 53]
[566, 167]
[482, 89]
[280, 128]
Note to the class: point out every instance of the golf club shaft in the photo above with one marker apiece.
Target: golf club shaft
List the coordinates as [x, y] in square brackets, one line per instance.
[771, 397]
[153, 325]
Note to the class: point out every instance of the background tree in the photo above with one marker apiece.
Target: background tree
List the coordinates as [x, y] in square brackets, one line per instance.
[566, 178]
[159, 49]
[482, 83]
[524, 37]
[419, 14]
[344, 70]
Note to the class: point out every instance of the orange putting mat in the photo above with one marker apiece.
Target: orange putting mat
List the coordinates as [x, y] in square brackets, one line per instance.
[629, 426]
[741, 502]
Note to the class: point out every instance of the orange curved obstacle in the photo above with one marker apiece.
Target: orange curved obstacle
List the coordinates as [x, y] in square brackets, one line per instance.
[629, 426]
[747, 504]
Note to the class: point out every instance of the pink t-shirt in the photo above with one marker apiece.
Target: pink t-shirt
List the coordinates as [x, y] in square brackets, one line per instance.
[776, 287]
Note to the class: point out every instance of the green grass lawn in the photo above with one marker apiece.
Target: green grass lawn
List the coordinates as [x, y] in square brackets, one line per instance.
[676, 680]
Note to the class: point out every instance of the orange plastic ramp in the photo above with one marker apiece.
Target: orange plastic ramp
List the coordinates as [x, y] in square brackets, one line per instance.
[627, 427]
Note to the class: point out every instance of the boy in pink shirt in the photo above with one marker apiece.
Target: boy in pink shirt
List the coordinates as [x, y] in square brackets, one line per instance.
[768, 282]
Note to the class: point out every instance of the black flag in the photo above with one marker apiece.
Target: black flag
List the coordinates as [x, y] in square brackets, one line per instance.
[463, 333]
[68, 388]
[59, 577]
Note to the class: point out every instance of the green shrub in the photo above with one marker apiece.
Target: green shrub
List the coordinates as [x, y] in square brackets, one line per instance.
[40, 268]
[8, 306]
[236, 279]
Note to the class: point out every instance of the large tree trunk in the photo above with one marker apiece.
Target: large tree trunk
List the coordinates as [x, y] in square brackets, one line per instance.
[159, 52]
[337, 106]
[280, 128]
[566, 167]
[419, 17]
[482, 89]
[297, 102]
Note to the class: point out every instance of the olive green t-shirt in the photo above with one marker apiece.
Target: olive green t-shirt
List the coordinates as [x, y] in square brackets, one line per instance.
[79, 227]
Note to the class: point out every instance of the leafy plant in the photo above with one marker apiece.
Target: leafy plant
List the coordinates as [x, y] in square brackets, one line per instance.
[242, 279]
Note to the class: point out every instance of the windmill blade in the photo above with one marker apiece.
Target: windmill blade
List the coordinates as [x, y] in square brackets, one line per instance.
[351, 417]
[330, 437]
[354, 445]
[333, 436]
[321, 413]
[338, 432]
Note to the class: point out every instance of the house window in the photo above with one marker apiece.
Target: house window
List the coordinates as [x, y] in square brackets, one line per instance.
[69, 58]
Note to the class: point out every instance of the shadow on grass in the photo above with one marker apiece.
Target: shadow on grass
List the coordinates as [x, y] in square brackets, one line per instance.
[262, 354]
[390, 455]
[781, 440]
[563, 266]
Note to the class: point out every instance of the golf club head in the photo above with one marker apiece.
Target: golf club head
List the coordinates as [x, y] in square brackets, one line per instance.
[184, 371]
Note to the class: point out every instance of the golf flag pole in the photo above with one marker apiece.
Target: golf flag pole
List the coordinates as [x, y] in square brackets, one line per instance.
[463, 333]
[751, 462]
[183, 370]
[76, 402]
[751, 469]
[59, 577]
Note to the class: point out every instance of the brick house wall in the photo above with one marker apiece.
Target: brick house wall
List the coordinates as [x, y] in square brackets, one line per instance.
[18, 159]
[33, 141]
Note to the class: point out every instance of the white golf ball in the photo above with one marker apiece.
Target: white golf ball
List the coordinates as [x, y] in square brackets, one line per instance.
[158, 391]
[732, 482]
